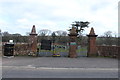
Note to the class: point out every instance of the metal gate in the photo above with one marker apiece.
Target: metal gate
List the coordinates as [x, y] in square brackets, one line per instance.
[45, 48]
[61, 50]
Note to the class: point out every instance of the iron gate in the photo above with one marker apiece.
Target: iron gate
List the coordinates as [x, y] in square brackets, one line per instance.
[61, 50]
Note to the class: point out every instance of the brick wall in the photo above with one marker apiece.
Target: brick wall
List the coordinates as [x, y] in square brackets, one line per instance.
[108, 51]
[21, 49]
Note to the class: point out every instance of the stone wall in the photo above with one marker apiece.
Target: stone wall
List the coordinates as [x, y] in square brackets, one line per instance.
[108, 51]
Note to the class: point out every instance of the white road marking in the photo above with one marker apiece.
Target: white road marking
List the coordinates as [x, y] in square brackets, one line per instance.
[32, 67]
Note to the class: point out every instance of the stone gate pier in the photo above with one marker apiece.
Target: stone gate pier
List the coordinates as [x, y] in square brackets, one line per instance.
[92, 49]
[72, 44]
[33, 40]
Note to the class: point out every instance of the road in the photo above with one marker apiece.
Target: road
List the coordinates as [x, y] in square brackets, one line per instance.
[62, 67]
[16, 72]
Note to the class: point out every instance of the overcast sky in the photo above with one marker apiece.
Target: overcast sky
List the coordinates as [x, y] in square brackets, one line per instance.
[18, 16]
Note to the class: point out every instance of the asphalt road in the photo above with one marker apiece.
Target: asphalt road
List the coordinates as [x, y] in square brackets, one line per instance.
[12, 72]
[61, 67]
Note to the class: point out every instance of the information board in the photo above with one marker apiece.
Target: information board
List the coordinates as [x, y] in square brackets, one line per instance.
[46, 44]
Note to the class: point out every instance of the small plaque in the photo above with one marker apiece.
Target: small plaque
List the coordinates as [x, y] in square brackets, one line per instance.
[72, 43]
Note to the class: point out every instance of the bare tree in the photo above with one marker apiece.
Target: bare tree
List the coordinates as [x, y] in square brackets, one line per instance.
[16, 34]
[61, 33]
[17, 37]
[27, 33]
[44, 32]
[64, 33]
[6, 33]
[107, 39]
[108, 34]
[61, 36]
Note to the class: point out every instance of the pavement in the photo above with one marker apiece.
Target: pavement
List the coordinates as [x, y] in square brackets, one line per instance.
[59, 67]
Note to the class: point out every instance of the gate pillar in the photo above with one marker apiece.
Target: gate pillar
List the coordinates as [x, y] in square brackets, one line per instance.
[33, 40]
[72, 44]
[92, 49]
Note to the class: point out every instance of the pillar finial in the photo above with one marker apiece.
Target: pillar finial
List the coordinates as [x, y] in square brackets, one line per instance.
[92, 32]
[33, 31]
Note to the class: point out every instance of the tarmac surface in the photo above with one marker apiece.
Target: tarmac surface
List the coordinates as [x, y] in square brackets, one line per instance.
[59, 67]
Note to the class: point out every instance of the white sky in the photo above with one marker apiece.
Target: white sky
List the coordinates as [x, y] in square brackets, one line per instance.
[18, 16]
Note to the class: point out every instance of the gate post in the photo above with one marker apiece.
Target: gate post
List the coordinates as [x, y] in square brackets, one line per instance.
[33, 41]
[92, 49]
[72, 44]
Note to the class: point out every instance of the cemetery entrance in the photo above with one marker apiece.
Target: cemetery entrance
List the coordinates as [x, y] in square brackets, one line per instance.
[56, 45]
[47, 48]
[44, 48]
